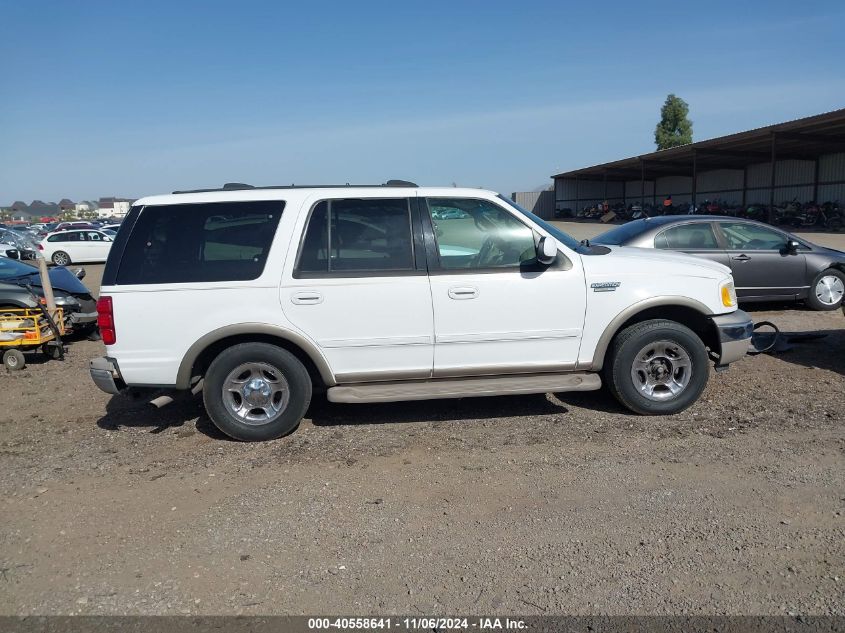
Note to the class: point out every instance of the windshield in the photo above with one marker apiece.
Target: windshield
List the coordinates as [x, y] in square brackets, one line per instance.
[13, 268]
[559, 235]
[621, 234]
[16, 239]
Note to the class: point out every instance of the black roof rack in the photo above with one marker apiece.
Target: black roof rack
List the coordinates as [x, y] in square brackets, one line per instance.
[240, 186]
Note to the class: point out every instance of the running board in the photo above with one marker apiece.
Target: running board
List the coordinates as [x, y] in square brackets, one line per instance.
[463, 387]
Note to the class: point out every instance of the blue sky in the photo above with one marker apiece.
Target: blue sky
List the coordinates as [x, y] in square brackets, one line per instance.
[133, 98]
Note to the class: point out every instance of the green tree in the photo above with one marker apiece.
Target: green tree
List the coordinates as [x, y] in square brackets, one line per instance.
[674, 128]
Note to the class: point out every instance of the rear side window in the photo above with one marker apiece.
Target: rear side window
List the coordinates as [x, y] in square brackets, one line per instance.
[181, 243]
[357, 235]
[687, 237]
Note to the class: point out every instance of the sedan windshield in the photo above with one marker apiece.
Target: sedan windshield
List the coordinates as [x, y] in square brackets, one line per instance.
[621, 234]
[13, 268]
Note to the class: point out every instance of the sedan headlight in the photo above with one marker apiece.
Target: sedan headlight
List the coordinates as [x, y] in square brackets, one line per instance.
[728, 293]
[66, 300]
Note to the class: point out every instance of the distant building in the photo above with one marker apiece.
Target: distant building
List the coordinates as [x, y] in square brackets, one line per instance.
[113, 207]
[23, 212]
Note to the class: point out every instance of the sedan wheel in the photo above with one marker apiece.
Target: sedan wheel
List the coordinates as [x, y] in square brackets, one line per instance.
[827, 290]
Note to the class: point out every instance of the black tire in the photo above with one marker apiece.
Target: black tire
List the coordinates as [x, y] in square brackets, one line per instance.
[619, 367]
[813, 301]
[62, 256]
[52, 352]
[14, 360]
[263, 354]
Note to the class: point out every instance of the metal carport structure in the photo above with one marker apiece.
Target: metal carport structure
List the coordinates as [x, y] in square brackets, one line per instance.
[804, 157]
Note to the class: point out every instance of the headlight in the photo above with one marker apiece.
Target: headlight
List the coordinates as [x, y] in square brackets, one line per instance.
[728, 294]
[67, 301]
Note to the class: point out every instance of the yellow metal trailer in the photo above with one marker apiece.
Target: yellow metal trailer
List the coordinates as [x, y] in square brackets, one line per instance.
[26, 329]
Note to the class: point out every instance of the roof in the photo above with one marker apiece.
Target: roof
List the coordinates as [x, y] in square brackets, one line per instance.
[301, 193]
[801, 139]
[239, 186]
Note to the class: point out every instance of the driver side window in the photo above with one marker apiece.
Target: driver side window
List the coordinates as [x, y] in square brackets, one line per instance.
[752, 237]
[474, 234]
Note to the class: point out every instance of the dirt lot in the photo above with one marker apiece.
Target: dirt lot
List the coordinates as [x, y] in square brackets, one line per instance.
[530, 505]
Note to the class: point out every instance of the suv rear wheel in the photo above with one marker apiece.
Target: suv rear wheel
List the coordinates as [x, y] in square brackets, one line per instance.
[256, 391]
[657, 367]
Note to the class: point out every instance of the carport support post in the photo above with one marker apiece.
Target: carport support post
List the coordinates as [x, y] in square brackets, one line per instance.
[642, 182]
[816, 182]
[46, 286]
[771, 214]
[694, 177]
[575, 212]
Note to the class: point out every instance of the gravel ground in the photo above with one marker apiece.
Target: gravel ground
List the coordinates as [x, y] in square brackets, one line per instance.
[530, 505]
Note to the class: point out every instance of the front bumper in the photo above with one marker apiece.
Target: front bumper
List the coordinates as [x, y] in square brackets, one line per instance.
[735, 331]
[106, 374]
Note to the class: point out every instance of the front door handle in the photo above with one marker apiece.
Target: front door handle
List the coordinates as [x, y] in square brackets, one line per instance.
[463, 292]
[741, 258]
[307, 298]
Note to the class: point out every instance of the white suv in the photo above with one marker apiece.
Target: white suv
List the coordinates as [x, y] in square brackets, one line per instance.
[259, 296]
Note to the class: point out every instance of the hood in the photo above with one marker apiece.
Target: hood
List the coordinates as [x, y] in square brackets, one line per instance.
[660, 260]
[834, 254]
[61, 279]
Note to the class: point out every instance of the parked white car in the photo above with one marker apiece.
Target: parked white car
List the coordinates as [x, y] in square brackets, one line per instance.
[76, 246]
[268, 294]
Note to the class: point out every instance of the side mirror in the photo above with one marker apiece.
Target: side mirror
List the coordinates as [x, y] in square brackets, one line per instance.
[547, 250]
[13, 253]
[792, 246]
[80, 273]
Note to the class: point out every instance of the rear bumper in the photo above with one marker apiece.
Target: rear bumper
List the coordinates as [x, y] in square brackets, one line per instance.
[735, 331]
[106, 374]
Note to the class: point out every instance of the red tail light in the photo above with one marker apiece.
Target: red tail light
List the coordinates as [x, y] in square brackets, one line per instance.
[105, 320]
[40, 247]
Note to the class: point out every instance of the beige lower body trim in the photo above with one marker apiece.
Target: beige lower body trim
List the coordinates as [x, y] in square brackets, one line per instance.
[464, 387]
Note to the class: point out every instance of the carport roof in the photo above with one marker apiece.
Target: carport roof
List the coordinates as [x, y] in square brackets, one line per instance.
[801, 139]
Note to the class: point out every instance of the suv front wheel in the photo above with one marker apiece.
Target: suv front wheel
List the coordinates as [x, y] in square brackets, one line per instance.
[657, 367]
[256, 391]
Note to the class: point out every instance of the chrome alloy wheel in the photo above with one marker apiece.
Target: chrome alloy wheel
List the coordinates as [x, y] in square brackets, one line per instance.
[256, 393]
[829, 290]
[661, 370]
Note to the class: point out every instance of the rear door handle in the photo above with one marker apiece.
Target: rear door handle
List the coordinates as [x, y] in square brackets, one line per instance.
[741, 258]
[307, 298]
[463, 292]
